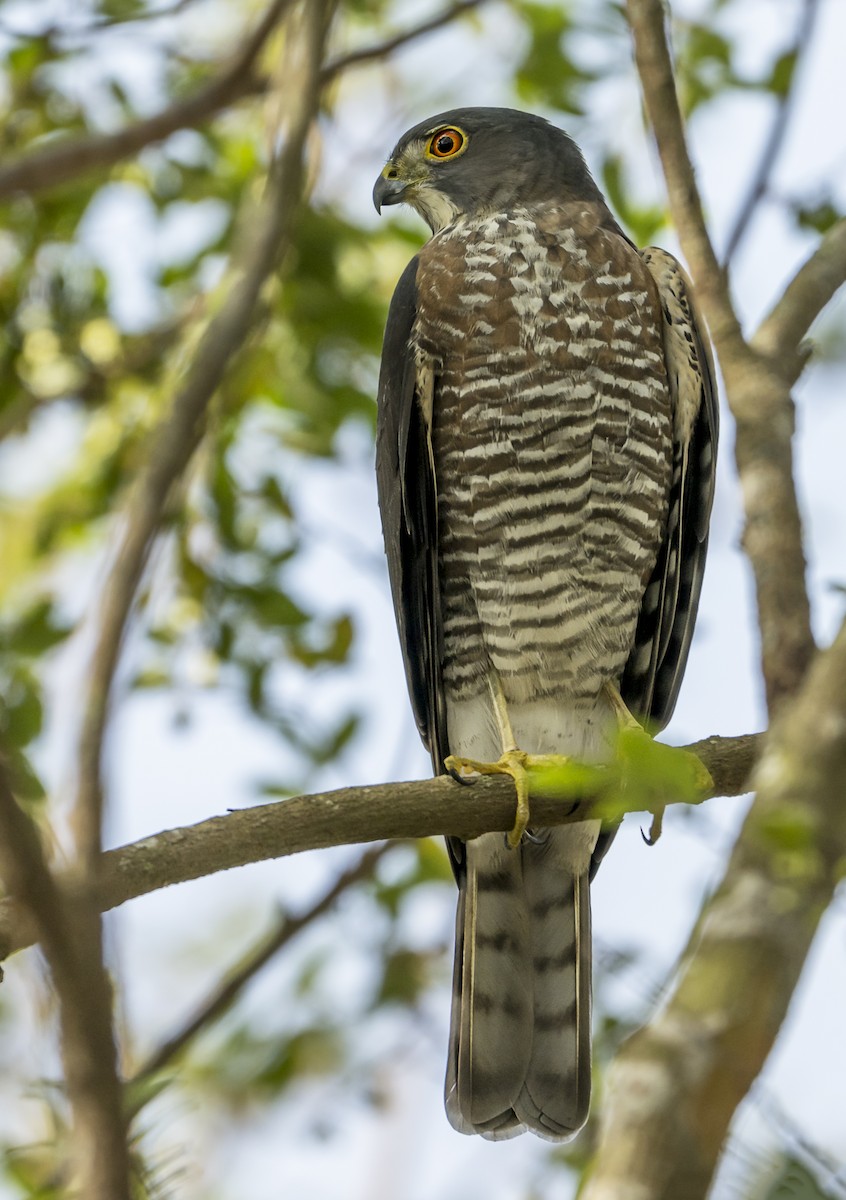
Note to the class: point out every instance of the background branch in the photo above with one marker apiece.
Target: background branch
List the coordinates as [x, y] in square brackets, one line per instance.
[780, 334]
[676, 1083]
[222, 997]
[758, 395]
[423, 808]
[72, 157]
[369, 54]
[69, 158]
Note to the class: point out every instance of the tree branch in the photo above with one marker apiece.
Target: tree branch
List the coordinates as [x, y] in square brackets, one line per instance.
[758, 395]
[369, 54]
[62, 161]
[778, 131]
[71, 944]
[88, 1046]
[780, 334]
[179, 434]
[676, 1084]
[222, 997]
[423, 808]
[59, 162]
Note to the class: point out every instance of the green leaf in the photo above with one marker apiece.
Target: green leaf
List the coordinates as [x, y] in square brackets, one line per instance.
[23, 780]
[643, 222]
[36, 632]
[780, 79]
[819, 217]
[549, 74]
[22, 718]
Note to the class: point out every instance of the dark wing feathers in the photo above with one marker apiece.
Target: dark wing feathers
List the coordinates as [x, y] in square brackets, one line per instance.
[406, 487]
[653, 674]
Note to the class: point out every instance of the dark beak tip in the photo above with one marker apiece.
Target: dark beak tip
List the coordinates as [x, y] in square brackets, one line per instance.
[387, 191]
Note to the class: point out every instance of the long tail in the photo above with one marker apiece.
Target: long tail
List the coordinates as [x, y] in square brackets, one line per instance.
[519, 1053]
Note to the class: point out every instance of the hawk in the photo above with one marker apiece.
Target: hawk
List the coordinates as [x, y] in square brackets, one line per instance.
[546, 435]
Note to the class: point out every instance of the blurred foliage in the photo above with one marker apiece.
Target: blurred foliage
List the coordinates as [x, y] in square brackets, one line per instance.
[794, 1180]
[106, 284]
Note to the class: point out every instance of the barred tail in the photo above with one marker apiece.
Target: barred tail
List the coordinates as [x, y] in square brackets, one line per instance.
[519, 1053]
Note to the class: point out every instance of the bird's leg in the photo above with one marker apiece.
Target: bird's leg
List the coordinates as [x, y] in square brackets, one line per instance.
[512, 761]
[625, 721]
[654, 770]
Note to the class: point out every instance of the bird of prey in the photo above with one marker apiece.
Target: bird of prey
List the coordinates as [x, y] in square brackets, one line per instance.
[545, 458]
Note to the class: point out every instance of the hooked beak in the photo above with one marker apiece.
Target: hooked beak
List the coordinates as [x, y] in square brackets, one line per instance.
[388, 189]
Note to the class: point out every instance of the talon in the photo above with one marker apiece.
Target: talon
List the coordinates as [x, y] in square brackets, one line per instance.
[521, 818]
[654, 829]
[453, 769]
[517, 764]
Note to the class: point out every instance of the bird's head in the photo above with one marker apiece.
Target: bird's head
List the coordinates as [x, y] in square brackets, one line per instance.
[472, 161]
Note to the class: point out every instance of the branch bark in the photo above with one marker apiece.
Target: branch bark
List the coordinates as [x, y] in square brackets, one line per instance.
[779, 336]
[423, 808]
[675, 1085]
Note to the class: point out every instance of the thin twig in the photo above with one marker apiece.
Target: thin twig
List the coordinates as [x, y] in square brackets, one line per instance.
[779, 336]
[369, 54]
[149, 14]
[423, 808]
[222, 997]
[778, 132]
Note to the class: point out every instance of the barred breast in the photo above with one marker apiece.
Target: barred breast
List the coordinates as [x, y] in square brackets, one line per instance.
[551, 436]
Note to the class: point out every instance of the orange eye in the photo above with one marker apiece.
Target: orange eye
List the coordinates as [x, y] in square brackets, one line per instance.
[446, 143]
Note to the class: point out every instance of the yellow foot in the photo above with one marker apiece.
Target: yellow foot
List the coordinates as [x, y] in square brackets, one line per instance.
[650, 769]
[518, 765]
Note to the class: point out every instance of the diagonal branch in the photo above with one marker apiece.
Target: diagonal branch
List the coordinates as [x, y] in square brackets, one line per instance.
[777, 134]
[349, 816]
[676, 1084]
[780, 334]
[369, 54]
[221, 999]
[67, 159]
[758, 394]
[60, 162]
